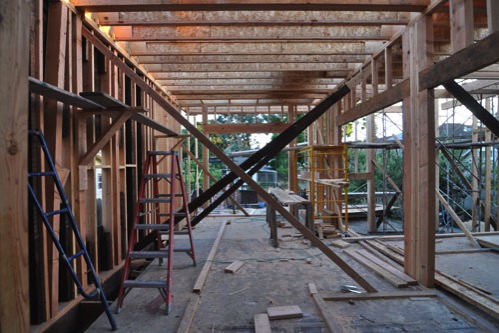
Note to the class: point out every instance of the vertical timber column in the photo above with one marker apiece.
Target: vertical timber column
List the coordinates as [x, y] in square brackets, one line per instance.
[419, 157]
[79, 172]
[206, 156]
[292, 162]
[488, 174]
[55, 58]
[14, 65]
[371, 153]
[492, 16]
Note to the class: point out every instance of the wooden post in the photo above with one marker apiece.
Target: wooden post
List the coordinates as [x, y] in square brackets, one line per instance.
[488, 175]
[14, 65]
[40, 286]
[54, 74]
[461, 18]
[292, 161]
[492, 17]
[371, 155]
[419, 157]
[205, 154]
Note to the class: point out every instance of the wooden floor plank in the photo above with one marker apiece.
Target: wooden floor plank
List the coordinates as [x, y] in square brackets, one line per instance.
[284, 312]
[262, 323]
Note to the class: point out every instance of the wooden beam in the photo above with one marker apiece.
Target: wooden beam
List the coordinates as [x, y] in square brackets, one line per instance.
[14, 65]
[240, 5]
[149, 33]
[245, 128]
[254, 48]
[105, 137]
[272, 18]
[207, 172]
[458, 221]
[374, 104]
[478, 55]
[471, 104]
[57, 94]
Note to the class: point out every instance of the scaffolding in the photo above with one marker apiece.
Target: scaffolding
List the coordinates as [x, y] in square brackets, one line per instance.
[322, 178]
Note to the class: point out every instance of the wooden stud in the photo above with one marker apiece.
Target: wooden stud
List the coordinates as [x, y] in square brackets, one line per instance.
[54, 74]
[14, 65]
[262, 323]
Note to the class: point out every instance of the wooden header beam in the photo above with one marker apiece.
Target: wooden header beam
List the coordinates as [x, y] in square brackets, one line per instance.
[245, 128]
[240, 5]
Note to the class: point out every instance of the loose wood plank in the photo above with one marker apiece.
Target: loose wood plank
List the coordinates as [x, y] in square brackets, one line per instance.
[198, 286]
[284, 312]
[262, 323]
[340, 244]
[388, 267]
[394, 280]
[475, 297]
[328, 317]
[189, 314]
[381, 295]
[234, 267]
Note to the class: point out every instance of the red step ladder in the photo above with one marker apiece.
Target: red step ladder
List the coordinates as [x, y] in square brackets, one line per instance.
[162, 207]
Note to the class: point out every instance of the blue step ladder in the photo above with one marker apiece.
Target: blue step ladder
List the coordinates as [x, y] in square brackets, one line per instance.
[66, 210]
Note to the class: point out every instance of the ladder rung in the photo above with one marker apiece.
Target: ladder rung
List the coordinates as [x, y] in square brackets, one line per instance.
[41, 174]
[167, 195]
[155, 200]
[56, 212]
[148, 254]
[158, 175]
[152, 226]
[162, 152]
[76, 255]
[165, 232]
[187, 249]
[144, 284]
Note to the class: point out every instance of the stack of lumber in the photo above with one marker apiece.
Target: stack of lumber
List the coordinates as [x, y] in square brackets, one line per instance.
[387, 271]
[463, 290]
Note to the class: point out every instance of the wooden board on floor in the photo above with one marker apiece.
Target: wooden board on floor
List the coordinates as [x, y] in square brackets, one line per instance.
[262, 323]
[198, 286]
[190, 312]
[284, 312]
[394, 280]
[234, 267]
[388, 267]
[489, 241]
[326, 314]
[340, 244]
[381, 295]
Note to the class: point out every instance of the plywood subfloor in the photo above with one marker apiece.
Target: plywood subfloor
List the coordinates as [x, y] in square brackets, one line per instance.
[275, 277]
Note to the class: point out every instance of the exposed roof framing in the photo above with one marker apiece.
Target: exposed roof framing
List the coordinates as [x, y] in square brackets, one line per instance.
[244, 55]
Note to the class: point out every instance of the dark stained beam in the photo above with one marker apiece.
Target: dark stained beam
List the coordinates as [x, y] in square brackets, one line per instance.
[264, 155]
[481, 54]
[478, 111]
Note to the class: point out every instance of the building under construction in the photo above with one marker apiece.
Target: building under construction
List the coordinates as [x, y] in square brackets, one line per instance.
[116, 216]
